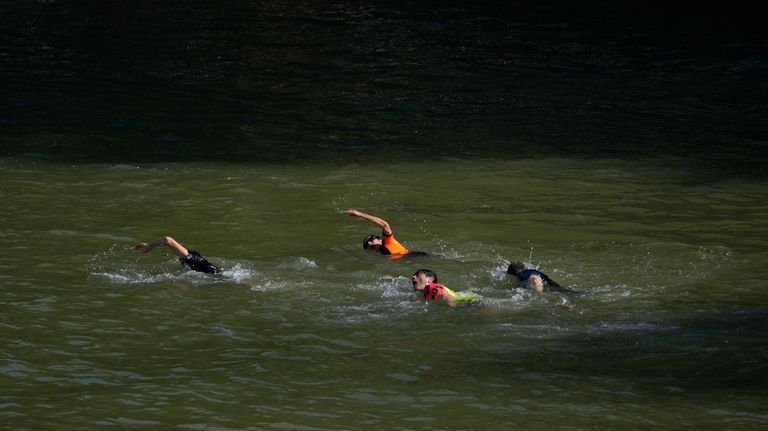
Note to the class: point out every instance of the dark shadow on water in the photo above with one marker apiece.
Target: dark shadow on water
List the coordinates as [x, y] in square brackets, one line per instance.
[263, 82]
[691, 354]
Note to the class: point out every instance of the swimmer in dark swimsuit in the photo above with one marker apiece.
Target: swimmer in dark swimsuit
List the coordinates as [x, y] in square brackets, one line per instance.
[189, 258]
[385, 244]
[535, 280]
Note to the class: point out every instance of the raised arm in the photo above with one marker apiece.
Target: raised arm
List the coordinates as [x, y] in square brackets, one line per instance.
[167, 241]
[378, 221]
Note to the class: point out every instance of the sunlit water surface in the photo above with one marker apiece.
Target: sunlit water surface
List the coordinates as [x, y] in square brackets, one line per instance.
[305, 330]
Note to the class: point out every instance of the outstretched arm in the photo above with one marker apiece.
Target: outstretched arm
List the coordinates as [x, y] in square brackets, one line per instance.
[167, 241]
[378, 221]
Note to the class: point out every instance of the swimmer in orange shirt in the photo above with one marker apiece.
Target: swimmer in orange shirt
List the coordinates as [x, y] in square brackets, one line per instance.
[385, 244]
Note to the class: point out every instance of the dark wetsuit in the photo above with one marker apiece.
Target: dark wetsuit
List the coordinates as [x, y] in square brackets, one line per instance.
[548, 283]
[196, 262]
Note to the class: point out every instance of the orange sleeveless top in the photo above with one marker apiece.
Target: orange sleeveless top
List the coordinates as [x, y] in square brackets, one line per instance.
[392, 245]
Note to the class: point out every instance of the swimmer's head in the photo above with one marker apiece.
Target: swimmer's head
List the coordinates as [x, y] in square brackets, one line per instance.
[421, 278]
[515, 268]
[372, 242]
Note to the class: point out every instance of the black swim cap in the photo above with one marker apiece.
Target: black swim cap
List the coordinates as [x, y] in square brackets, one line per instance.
[515, 268]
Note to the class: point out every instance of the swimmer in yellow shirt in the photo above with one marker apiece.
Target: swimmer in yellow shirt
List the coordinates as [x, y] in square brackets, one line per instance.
[425, 282]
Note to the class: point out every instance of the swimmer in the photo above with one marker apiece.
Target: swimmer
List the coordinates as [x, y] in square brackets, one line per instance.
[425, 281]
[385, 244]
[189, 258]
[534, 280]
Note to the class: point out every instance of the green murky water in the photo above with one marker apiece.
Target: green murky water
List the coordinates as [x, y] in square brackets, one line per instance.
[305, 330]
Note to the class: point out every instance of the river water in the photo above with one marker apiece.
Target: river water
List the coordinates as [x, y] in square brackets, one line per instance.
[624, 155]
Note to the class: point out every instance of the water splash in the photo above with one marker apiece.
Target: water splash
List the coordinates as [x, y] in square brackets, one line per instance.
[111, 265]
[298, 263]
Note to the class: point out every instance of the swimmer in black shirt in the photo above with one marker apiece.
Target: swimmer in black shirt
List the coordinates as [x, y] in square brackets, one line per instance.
[189, 258]
[535, 280]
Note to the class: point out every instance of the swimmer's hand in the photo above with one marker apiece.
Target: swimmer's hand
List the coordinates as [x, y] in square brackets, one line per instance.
[142, 248]
[378, 221]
